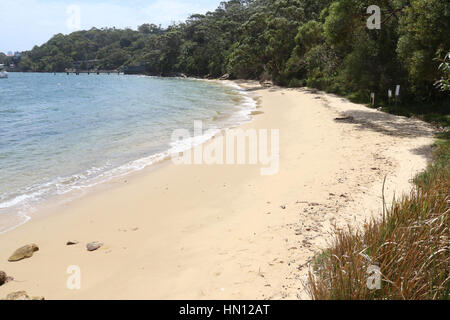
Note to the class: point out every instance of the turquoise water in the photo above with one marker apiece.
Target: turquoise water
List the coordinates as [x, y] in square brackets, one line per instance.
[60, 133]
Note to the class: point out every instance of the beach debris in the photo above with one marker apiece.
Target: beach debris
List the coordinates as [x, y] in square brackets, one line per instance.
[24, 252]
[283, 207]
[130, 229]
[21, 295]
[72, 242]
[226, 76]
[92, 246]
[350, 118]
[266, 84]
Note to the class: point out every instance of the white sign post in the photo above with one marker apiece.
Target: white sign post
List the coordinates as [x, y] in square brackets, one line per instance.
[397, 93]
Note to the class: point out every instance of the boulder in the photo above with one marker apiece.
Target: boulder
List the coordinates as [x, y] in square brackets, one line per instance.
[23, 252]
[18, 295]
[226, 76]
[92, 246]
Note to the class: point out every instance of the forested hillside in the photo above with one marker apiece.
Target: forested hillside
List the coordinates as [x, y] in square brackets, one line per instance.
[317, 43]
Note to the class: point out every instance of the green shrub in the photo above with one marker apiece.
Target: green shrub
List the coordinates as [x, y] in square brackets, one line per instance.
[410, 245]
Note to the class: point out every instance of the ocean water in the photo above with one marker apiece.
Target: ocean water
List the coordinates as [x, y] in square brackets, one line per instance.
[60, 134]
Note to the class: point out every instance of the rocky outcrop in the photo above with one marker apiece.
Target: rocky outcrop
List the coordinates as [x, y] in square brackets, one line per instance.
[3, 277]
[266, 83]
[21, 295]
[24, 252]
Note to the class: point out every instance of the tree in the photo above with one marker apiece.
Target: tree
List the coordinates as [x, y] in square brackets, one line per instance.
[444, 83]
[324, 44]
[147, 29]
[423, 34]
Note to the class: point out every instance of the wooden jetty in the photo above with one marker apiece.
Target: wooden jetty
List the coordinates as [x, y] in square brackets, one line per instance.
[88, 67]
[78, 72]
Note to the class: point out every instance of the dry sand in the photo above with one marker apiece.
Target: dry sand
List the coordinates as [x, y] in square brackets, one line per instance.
[219, 231]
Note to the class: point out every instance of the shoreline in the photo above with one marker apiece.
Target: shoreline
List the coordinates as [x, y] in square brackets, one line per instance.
[25, 211]
[219, 232]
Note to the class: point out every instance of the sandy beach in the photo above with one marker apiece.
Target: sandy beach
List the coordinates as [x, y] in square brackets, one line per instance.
[226, 231]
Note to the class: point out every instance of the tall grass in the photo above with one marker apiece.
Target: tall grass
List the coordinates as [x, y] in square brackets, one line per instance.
[410, 245]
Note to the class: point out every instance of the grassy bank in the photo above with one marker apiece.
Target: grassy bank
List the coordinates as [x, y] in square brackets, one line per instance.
[409, 245]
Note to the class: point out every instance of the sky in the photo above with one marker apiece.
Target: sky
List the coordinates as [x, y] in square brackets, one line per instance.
[26, 23]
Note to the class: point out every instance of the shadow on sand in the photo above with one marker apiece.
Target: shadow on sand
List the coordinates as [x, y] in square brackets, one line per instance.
[387, 124]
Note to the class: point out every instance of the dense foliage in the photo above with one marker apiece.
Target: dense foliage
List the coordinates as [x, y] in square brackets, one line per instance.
[409, 246]
[319, 43]
[444, 82]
